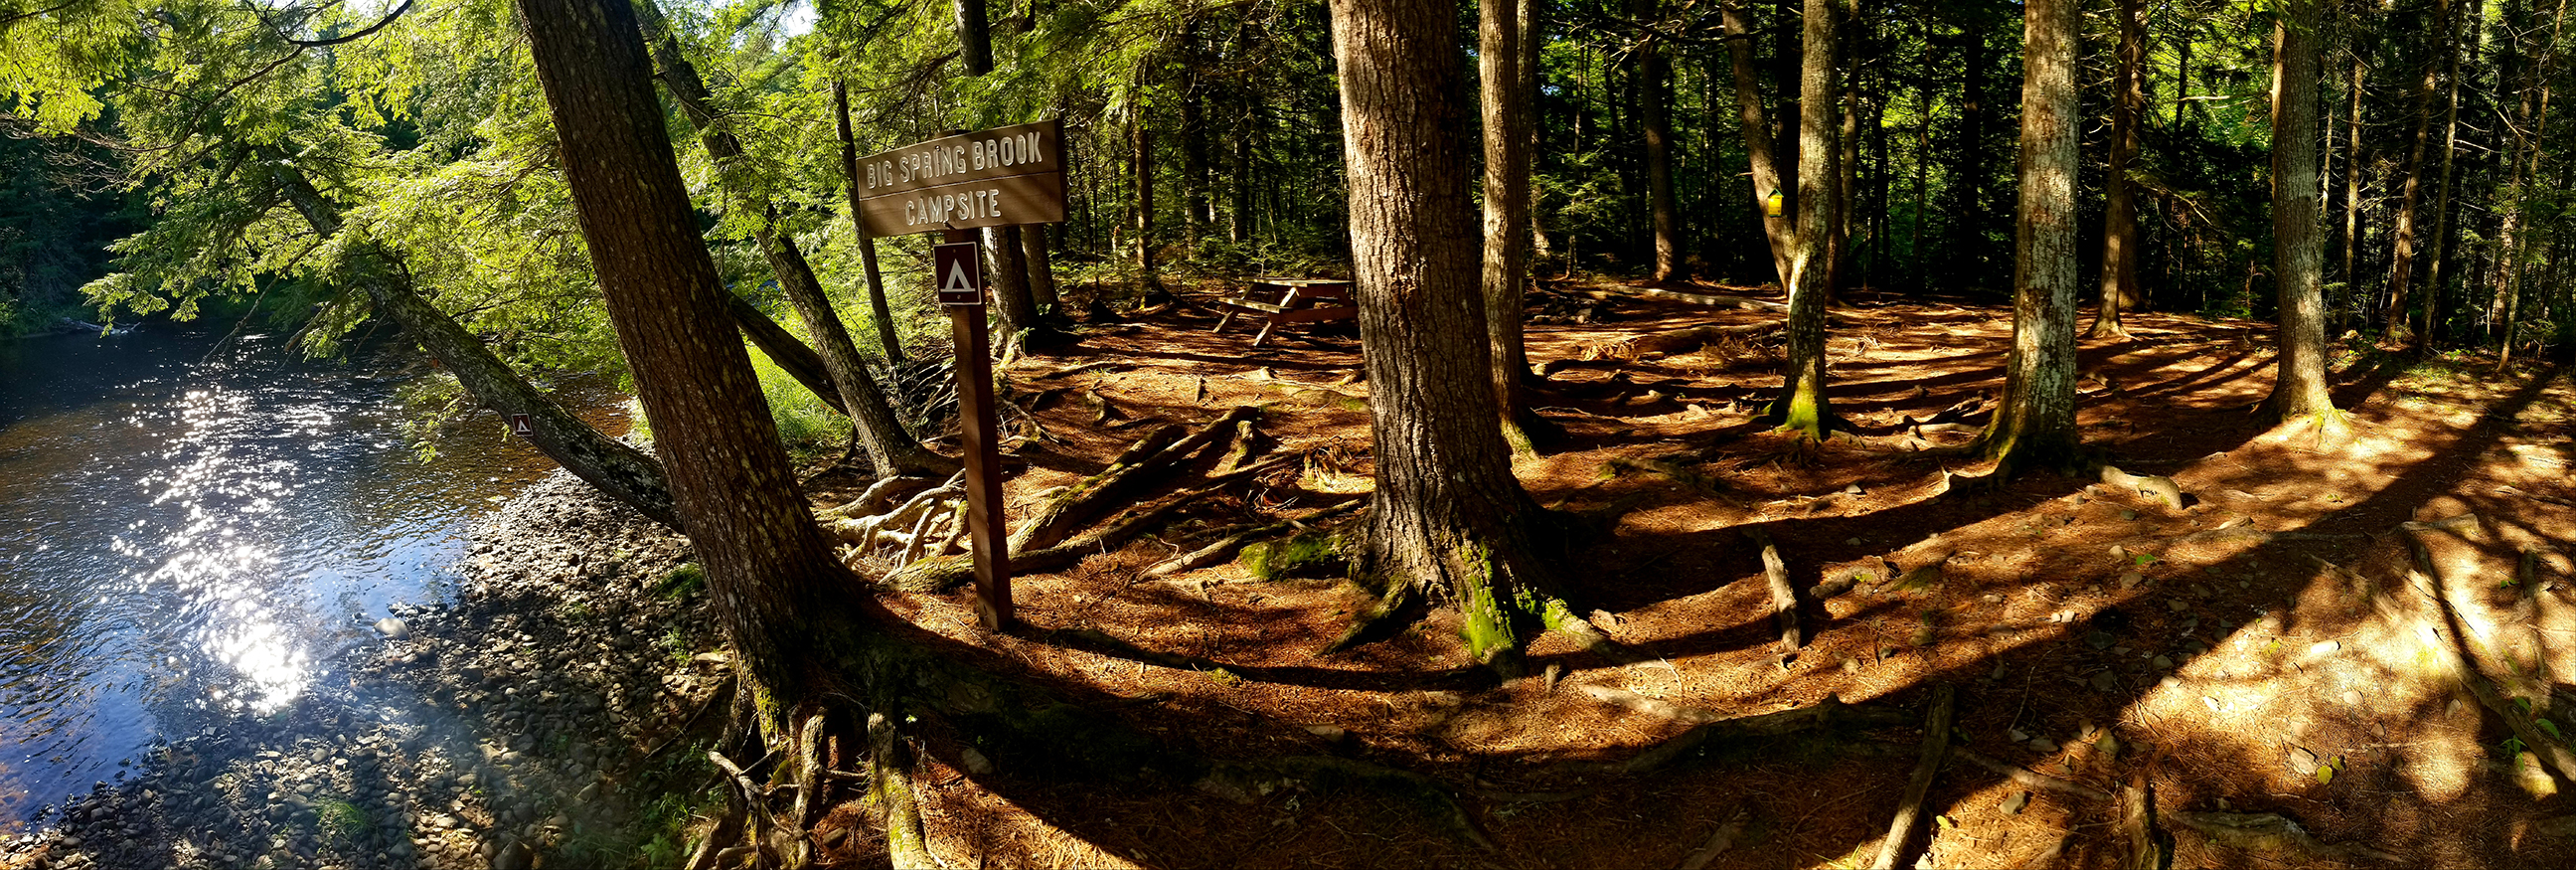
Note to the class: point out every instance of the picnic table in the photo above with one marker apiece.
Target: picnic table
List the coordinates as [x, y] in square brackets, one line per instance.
[1300, 300]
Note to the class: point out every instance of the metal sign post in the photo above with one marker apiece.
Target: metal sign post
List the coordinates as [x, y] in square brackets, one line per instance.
[1001, 177]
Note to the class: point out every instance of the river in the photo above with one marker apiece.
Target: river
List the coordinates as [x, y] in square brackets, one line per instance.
[191, 526]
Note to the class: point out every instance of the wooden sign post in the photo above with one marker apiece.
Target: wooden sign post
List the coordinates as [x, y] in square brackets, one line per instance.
[1001, 177]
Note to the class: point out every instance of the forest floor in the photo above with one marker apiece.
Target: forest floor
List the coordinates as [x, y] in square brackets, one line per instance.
[2220, 651]
[2273, 651]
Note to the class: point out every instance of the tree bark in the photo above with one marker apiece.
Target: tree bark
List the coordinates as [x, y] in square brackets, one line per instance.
[1965, 260]
[2352, 196]
[2509, 250]
[1140, 167]
[1448, 520]
[2401, 268]
[2034, 425]
[1194, 163]
[974, 38]
[1041, 269]
[890, 448]
[1015, 313]
[780, 597]
[2299, 388]
[1802, 406]
[1776, 229]
[1507, 144]
[610, 465]
[2428, 327]
[878, 312]
[2119, 212]
[1654, 116]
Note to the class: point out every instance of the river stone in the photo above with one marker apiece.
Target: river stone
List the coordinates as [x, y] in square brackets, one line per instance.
[393, 629]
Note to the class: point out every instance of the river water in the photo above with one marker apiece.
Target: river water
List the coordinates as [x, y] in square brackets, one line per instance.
[191, 526]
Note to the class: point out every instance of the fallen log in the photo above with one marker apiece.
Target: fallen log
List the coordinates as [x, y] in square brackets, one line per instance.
[2273, 831]
[1234, 540]
[1062, 514]
[1784, 598]
[1675, 341]
[1936, 743]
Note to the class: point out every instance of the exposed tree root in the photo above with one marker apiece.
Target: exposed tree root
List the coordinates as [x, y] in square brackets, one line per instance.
[1707, 724]
[1909, 812]
[1063, 514]
[1784, 598]
[2273, 832]
[2150, 846]
[1233, 540]
[2159, 488]
[1675, 341]
[890, 783]
[2029, 779]
[2444, 624]
[1719, 841]
[947, 572]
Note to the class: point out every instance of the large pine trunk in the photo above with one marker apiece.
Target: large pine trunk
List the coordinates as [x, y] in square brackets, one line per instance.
[1802, 406]
[1449, 521]
[2120, 211]
[2034, 426]
[2298, 258]
[780, 597]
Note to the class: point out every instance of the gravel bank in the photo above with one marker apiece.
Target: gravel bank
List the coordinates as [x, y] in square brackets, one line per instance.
[518, 723]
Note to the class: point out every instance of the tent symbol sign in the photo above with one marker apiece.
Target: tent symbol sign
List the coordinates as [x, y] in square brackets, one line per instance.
[960, 272]
[519, 426]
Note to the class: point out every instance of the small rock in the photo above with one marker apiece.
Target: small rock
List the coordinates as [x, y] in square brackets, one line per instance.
[2013, 805]
[2127, 514]
[2043, 745]
[2016, 734]
[2303, 761]
[393, 629]
[2131, 580]
[2162, 663]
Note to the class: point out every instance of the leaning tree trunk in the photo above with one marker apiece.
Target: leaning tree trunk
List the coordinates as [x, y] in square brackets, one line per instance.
[878, 312]
[613, 466]
[1776, 229]
[780, 598]
[2034, 425]
[2299, 389]
[1507, 145]
[1448, 521]
[2401, 267]
[1801, 406]
[890, 448]
[2120, 211]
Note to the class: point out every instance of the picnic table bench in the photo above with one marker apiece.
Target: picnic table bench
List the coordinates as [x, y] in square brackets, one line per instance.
[1301, 300]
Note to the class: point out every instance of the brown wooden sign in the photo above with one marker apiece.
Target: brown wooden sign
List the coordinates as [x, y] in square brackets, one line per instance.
[999, 177]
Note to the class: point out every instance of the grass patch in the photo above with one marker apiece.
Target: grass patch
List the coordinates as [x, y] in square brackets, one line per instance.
[805, 423]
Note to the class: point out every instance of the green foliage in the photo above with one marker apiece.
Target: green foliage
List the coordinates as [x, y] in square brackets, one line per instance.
[805, 422]
[1307, 552]
[343, 822]
[682, 582]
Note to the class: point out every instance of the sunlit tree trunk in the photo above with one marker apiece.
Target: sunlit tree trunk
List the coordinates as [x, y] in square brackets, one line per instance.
[1193, 135]
[2509, 249]
[1776, 230]
[1507, 144]
[2119, 212]
[1448, 521]
[2034, 424]
[1802, 406]
[2299, 387]
[2352, 197]
[1654, 111]
[1140, 167]
[780, 598]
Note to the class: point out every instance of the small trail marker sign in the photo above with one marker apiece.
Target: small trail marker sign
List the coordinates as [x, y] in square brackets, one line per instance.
[519, 426]
[960, 271]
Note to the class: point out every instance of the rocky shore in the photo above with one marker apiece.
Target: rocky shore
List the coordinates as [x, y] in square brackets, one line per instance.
[540, 718]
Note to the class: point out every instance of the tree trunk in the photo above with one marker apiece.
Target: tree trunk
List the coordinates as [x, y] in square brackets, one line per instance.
[1654, 114]
[2428, 327]
[2401, 268]
[1802, 406]
[1140, 166]
[610, 465]
[1239, 223]
[878, 312]
[780, 597]
[1194, 164]
[1448, 520]
[2352, 197]
[1507, 144]
[2509, 249]
[1965, 259]
[1041, 269]
[2299, 388]
[1015, 313]
[974, 38]
[2119, 212]
[2034, 425]
[1757, 141]
[1838, 250]
[890, 449]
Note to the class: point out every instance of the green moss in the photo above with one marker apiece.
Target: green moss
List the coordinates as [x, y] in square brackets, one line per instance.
[1805, 412]
[342, 821]
[684, 581]
[1308, 552]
